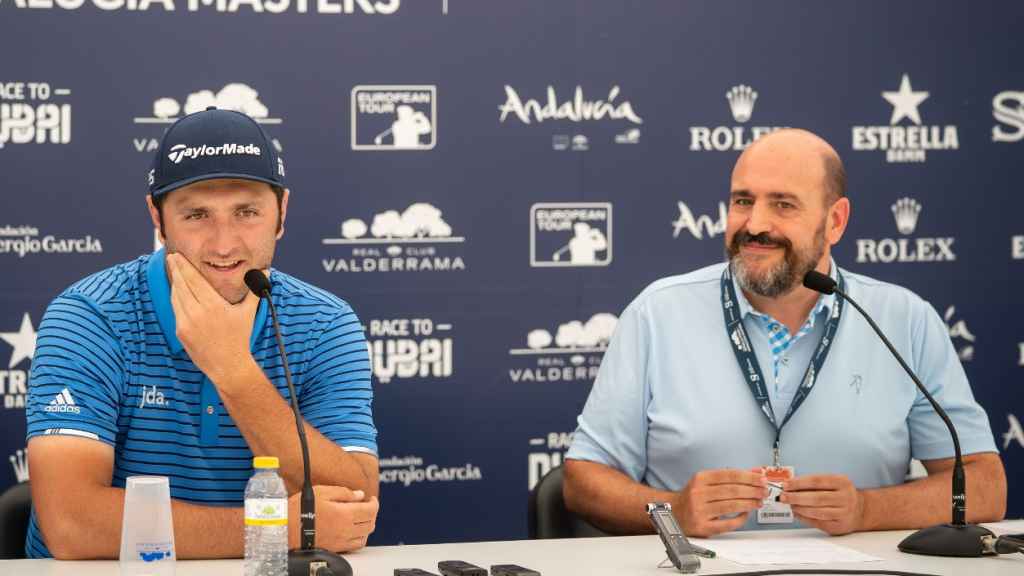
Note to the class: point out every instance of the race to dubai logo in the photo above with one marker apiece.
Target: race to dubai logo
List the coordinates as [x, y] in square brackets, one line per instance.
[14, 381]
[234, 96]
[570, 234]
[701, 226]
[410, 348]
[572, 354]
[418, 239]
[741, 99]
[1008, 110]
[34, 113]
[906, 212]
[904, 143]
[394, 117]
[546, 453]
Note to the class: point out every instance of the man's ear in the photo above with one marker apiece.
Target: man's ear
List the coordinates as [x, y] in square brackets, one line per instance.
[284, 212]
[154, 215]
[838, 218]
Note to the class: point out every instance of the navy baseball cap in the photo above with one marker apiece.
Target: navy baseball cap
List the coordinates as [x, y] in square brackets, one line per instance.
[214, 144]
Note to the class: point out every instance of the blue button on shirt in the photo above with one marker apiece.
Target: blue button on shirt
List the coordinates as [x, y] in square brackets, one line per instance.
[670, 399]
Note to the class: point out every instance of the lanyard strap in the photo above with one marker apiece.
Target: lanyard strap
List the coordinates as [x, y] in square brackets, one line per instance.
[747, 359]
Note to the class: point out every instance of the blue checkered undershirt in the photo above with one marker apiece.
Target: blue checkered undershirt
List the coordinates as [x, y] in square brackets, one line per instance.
[779, 336]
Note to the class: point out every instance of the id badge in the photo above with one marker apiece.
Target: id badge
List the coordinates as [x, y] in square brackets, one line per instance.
[772, 511]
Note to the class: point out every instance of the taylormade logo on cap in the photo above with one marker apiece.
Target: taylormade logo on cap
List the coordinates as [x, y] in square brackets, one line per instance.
[180, 151]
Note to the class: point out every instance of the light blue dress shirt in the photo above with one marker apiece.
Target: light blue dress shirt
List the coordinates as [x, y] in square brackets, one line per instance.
[670, 400]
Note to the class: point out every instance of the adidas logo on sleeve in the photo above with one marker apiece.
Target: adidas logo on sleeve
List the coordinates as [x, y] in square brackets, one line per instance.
[63, 403]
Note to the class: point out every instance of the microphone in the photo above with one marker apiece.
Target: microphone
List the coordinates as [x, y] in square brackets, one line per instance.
[957, 538]
[307, 560]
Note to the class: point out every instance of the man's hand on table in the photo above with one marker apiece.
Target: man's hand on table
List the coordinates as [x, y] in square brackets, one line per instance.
[829, 502]
[703, 504]
[344, 518]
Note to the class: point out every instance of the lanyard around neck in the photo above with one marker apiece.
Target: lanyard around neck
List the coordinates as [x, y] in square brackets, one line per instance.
[751, 369]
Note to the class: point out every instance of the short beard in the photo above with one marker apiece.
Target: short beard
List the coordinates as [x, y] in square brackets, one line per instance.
[783, 277]
[242, 294]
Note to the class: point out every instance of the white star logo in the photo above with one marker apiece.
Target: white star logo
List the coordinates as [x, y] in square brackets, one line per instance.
[904, 103]
[23, 341]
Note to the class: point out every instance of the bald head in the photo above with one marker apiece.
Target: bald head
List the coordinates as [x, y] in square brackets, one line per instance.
[799, 152]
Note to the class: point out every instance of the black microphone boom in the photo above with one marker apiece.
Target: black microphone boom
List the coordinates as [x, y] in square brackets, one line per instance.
[307, 560]
[957, 538]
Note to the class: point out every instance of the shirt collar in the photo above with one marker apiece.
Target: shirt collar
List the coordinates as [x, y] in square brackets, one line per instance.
[825, 301]
[160, 293]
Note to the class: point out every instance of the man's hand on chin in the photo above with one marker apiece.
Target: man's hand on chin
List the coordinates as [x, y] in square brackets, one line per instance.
[213, 332]
[829, 502]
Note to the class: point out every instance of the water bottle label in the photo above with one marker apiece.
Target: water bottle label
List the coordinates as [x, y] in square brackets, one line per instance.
[154, 551]
[266, 512]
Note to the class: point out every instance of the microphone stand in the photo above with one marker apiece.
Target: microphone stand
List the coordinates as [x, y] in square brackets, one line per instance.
[307, 560]
[957, 538]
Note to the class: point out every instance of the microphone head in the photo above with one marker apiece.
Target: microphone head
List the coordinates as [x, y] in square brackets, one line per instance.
[819, 282]
[258, 282]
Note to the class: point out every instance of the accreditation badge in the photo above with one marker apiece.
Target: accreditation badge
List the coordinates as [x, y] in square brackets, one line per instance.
[772, 511]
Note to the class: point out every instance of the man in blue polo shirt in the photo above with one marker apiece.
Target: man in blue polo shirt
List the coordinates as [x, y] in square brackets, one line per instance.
[717, 377]
[167, 365]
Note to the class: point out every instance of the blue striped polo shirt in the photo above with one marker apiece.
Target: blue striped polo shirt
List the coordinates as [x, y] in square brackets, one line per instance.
[108, 366]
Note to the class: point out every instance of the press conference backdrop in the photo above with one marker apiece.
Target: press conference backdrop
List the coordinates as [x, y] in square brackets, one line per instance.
[489, 183]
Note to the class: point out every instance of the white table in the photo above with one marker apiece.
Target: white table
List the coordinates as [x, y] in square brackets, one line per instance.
[616, 556]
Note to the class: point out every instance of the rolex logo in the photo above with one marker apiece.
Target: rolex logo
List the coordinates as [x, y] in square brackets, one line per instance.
[906, 211]
[741, 102]
[887, 250]
[20, 464]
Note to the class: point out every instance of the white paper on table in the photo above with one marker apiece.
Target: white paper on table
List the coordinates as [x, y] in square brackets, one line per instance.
[1006, 526]
[784, 551]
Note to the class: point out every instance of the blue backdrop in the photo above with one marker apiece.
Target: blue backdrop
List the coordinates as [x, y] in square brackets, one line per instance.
[489, 184]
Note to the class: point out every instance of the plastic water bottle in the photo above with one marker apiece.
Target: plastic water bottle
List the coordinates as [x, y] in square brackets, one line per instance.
[266, 520]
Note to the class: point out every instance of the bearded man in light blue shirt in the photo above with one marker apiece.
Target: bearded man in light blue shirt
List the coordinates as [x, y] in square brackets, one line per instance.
[714, 375]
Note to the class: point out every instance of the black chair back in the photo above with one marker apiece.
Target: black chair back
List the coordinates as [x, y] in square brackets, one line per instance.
[548, 516]
[15, 510]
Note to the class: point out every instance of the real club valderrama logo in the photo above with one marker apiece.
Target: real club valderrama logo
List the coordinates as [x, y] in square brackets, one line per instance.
[166, 110]
[572, 354]
[417, 239]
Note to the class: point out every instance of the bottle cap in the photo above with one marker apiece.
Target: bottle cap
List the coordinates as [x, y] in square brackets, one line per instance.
[266, 462]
